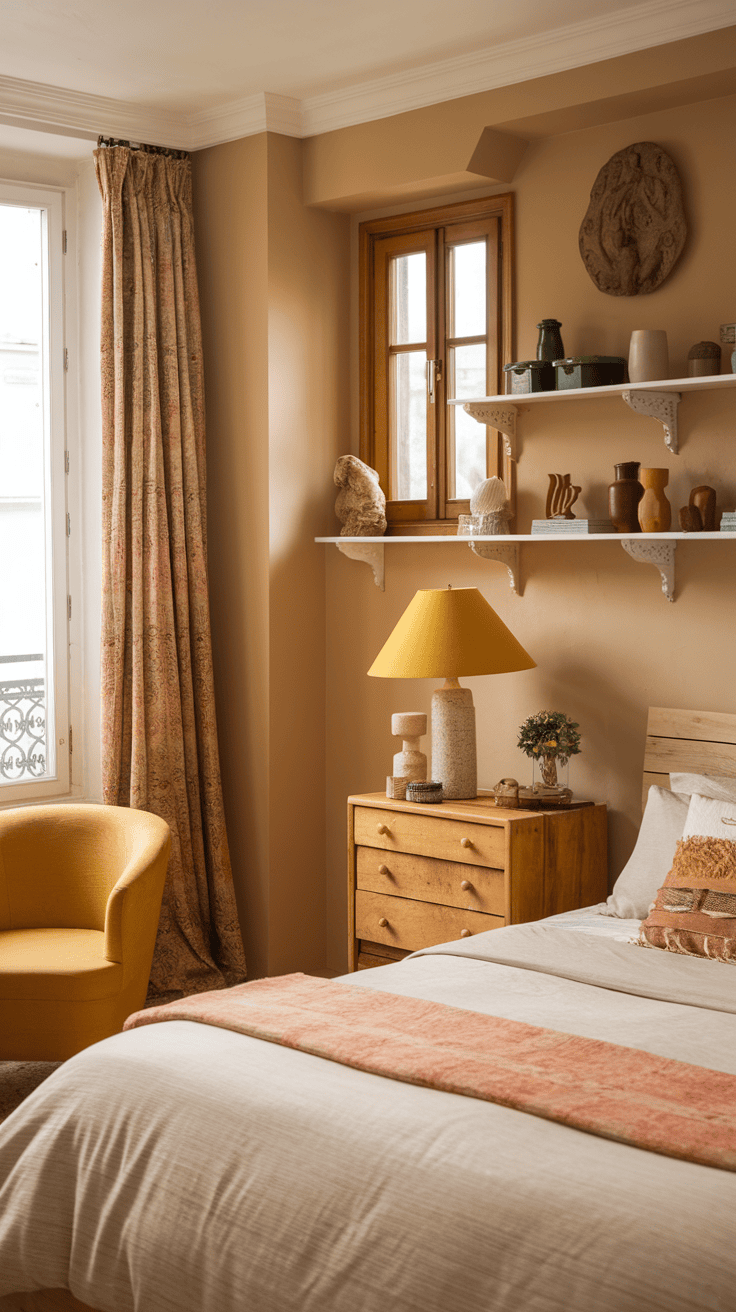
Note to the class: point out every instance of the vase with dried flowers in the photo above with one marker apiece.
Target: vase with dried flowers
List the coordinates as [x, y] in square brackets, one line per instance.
[550, 739]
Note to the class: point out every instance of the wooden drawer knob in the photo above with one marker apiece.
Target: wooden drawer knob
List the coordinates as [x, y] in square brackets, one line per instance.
[465, 933]
[383, 829]
[383, 922]
[384, 870]
[465, 884]
[466, 842]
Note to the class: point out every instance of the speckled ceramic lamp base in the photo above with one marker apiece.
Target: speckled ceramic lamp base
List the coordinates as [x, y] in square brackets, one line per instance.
[454, 761]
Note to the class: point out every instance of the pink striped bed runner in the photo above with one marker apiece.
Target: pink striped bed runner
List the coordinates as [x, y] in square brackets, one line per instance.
[620, 1093]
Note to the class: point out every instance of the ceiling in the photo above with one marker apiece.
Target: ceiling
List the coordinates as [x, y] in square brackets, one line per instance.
[190, 74]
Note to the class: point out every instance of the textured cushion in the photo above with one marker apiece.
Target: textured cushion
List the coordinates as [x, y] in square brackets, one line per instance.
[722, 786]
[695, 910]
[661, 826]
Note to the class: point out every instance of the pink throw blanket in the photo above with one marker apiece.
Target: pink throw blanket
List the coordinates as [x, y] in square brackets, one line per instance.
[665, 1106]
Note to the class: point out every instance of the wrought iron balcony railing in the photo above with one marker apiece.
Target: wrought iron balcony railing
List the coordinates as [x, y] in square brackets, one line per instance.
[23, 751]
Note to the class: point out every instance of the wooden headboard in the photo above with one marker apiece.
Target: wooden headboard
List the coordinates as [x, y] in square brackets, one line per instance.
[701, 742]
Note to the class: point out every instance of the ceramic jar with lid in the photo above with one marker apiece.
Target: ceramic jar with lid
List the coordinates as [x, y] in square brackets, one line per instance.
[703, 360]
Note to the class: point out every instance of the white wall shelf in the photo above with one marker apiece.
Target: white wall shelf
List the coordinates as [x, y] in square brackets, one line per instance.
[657, 400]
[656, 549]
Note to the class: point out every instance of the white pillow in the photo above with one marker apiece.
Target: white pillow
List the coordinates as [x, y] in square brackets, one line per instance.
[711, 817]
[651, 860]
[720, 786]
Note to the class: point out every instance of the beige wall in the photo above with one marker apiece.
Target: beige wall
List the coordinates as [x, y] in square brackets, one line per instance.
[230, 197]
[606, 641]
[292, 619]
[274, 288]
[308, 356]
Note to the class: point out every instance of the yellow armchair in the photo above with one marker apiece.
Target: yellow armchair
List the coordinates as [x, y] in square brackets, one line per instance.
[80, 898]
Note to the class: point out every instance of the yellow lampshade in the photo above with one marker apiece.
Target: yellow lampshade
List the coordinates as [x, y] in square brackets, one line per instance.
[449, 633]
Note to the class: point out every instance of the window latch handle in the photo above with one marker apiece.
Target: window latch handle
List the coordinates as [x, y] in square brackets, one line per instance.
[434, 374]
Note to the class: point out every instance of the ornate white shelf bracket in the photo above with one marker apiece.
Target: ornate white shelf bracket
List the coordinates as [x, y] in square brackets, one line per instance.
[371, 553]
[659, 554]
[502, 417]
[661, 406]
[507, 553]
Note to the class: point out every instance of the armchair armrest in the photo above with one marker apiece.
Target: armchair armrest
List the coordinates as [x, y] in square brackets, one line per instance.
[134, 904]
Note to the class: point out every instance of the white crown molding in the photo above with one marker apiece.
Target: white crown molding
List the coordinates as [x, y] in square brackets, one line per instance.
[71, 113]
[263, 112]
[638, 27]
[77, 114]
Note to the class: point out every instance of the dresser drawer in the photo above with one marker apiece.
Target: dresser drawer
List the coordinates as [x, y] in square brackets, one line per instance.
[430, 835]
[402, 874]
[412, 925]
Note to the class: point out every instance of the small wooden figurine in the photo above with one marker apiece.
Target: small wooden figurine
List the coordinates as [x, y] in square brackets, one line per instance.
[700, 513]
[703, 498]
[690, 521]
[561, 497]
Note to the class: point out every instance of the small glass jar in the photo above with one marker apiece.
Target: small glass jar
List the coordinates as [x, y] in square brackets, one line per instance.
[548, 776]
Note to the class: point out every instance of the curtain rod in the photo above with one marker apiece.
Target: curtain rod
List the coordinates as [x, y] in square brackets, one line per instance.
[140, 145]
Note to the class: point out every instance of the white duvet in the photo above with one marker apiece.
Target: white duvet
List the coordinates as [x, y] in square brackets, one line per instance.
[182, 1168]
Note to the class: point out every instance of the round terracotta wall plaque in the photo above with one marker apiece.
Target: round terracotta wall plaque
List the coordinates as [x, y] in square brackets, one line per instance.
[634, 228]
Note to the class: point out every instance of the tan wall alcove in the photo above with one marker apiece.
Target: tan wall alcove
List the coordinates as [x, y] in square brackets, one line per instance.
[297, 625]
[606, 641]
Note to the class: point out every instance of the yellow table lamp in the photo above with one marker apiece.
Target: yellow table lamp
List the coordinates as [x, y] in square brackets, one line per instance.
[448, 633]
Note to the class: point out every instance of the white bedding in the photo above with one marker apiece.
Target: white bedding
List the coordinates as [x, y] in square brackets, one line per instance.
[182, 1168]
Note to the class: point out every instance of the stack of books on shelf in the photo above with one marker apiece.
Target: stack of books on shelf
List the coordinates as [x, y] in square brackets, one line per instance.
[728, 521]
[571, 527]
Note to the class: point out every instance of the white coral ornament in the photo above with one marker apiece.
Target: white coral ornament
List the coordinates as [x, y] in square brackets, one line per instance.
[489, 497]
[489, 507]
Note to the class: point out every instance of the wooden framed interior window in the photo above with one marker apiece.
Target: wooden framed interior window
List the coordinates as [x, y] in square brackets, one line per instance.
[436, 323]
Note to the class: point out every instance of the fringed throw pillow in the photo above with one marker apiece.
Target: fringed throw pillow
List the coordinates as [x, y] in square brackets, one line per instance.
[694, 912]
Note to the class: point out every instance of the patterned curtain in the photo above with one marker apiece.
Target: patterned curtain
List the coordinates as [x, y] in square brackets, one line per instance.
[159, 734]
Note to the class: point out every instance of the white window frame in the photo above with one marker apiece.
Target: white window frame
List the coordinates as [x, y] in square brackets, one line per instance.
[60, 563]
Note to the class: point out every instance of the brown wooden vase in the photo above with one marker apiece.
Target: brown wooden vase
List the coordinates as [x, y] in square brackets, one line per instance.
[624, 496]
[655, 511]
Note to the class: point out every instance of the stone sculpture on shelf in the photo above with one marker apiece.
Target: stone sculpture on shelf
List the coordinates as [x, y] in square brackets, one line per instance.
[409, 763]
[634, 228]
[489, 507]
[561, 497]
[361, 503]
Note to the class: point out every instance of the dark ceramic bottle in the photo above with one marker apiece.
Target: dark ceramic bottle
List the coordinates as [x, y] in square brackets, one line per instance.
[624, 496]
[549, 346]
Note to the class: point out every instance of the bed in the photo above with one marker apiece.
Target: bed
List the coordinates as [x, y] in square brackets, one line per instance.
[185, 1168]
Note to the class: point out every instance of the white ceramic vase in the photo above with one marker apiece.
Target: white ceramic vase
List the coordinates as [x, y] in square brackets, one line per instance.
[648, 356]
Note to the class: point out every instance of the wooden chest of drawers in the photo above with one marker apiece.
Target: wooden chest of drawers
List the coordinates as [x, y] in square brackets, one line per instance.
[420, 875]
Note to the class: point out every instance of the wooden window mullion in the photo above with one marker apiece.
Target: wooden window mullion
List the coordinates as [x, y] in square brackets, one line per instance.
[432, 232]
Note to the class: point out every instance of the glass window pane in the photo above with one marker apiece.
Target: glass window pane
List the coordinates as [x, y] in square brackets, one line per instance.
[468, 465]
[408, 426]
[408, 299]
[468, 289]
[24, 608]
